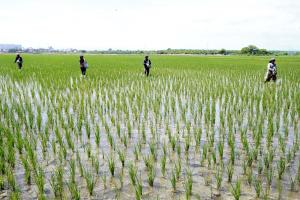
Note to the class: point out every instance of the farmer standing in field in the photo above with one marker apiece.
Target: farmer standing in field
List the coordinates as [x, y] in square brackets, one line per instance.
[147, 65]
[19, 61]
[271, 71]
[83, 65]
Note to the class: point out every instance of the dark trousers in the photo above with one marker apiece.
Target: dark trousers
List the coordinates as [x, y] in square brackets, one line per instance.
[271, 76]
[83, 70]
[147, 71]
[20, 65]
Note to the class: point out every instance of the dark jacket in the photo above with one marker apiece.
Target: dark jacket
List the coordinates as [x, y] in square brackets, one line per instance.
[81, 61]
[147, 62]
[19, 58]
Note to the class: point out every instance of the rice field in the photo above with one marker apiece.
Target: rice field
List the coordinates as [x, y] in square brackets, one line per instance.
[198, 127]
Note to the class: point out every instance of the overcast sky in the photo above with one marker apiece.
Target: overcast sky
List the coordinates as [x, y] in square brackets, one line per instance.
[151, 24]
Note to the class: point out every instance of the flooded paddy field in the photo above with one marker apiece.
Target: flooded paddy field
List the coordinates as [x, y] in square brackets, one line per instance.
[196, 128]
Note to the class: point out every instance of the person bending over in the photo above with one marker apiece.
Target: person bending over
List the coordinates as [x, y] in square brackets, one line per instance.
[271, 71]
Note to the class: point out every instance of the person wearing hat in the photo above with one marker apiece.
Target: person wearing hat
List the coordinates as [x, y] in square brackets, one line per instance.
[271, 71]
[147, 65]
[19, 61]
[83, 65]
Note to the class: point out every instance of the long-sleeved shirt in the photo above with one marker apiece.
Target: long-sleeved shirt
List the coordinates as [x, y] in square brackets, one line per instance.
[272, 68]
[147, 63]
[81, 62]
[19, 59]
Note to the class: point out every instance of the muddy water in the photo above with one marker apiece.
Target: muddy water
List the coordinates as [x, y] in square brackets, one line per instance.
[162, 187]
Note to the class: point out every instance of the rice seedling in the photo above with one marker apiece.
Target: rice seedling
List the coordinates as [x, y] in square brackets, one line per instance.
[281, 167]
[236, 190]
[2, 161]
[250, 159]
[136, 153]
[125, 140]
[110, 140]
[178, 169]
[151, 173]
[27, 170]
[178, 150]
[15, 195]
[258, 186]
[121, 155]
[103, 177]
[53, 144]
[62, 154]
[214, 157]
[188, 184]
[173, 142]
[269, 176]
[173, 180]
[204, 151]
[88, 150]
[11, 158]
[153, 149]
[187, 141]
[97, 136]
[148, 161]
[249, 175]
[221, 150]
[219, 178]
[163, 164]
[70, 141]
[132, 170]
[144, 137]
[80, 166]
[11, 180]
[197, 138]
[90, 181]
[232, 155]
[118, 131]
[129, 129]
[229, 169]
[260, 167]
[57, 183]
[95, 164]
[74, 190]
[138, 189]
[1, 182]
[111, 165]
[19, 143]
[72, 166]
[40, 182]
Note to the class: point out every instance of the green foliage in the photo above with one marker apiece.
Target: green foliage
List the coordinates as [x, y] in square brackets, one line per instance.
[236, 190]
[253, 50]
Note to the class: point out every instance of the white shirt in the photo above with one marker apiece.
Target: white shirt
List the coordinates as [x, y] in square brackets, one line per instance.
[271, 67]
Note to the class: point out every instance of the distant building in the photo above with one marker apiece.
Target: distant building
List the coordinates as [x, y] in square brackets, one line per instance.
[10, 47]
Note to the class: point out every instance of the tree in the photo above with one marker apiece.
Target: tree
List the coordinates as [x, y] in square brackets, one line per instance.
[251, 49]
[254, 50]
[223, 52]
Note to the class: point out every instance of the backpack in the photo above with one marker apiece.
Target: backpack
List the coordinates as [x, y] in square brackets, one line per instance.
[85, 64]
